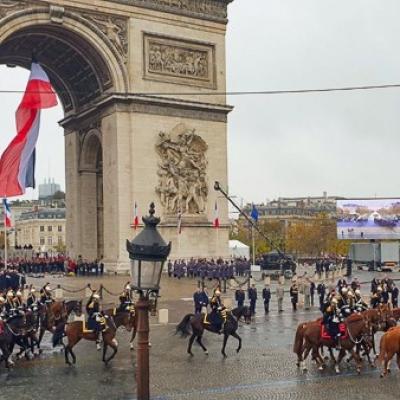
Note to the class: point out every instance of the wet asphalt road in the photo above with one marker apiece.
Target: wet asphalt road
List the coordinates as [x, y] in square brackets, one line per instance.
[264, 369]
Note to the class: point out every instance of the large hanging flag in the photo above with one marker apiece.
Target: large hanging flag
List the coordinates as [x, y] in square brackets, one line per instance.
[17, 163]
[216, 216]
[7, 214]
[135, 216]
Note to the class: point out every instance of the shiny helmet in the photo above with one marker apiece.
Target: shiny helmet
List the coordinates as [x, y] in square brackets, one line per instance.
[344, 291]
[10, 294]
[350, 293]
[96, 296]
[379, 289]
[2, 300]
[33, 290]
[357, 292]
[47, 288]
[18, 293]
[217, 292]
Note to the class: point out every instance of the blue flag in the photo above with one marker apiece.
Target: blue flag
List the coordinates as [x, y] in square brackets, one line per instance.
[254, 213]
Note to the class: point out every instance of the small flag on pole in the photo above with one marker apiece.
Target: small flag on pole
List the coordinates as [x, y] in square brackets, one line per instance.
[179, 222]
[7, 214]
[254, 213]
[216, 217]
[135, 216]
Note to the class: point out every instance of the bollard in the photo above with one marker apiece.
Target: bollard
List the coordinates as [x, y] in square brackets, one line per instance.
[163, 316]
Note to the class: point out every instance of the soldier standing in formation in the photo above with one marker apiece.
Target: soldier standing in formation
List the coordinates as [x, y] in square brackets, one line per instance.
[266, 294]
[252, 294]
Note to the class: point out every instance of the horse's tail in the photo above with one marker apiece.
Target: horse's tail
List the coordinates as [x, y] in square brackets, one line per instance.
[299, 339]
[183, 326]
[58, 334]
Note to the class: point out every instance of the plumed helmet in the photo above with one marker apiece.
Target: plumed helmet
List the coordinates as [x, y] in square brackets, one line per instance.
[48, 288]
[33, 290]
[19, 293]
[379, 288]
[357, 292]
[334, 301]
[128, 287]
[96, 296]
[344, 290]
[350, 293]
[2, 300]
[10, 293]
[217, 293]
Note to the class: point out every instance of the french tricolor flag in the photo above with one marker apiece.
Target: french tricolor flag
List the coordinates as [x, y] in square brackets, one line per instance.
[216, 216]
[135, 216]
[17, 163]
[7, 214]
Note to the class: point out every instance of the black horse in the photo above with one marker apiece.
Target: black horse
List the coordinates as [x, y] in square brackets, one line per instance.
[196, 321]
[12, 333]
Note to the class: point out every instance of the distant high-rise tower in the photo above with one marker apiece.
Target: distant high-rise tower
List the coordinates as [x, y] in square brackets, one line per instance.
[48, 188]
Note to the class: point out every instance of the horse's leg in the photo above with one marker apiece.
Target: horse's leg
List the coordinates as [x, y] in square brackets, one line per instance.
[114, 345]
[235, 335]
[357, 359]
[132, 338]
[198, 339]
[105, 346]
[224, 344]
[191, 340]
[342, 353]
[331, 354]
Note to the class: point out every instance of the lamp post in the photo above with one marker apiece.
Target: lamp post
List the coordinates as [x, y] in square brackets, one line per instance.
[147, 252]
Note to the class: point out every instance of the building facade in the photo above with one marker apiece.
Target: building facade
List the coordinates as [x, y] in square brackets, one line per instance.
[48, 188]
[44, 229]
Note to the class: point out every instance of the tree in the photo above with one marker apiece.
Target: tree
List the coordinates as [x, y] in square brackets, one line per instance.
[59, 195]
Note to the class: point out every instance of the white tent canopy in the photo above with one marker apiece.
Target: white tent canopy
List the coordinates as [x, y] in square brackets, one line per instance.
[238, 249]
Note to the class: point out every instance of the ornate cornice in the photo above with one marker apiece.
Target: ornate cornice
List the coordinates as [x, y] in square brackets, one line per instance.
[214, 10]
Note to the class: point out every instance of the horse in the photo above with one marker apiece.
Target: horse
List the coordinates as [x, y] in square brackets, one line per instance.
[56, 313]
[116, 314]
[357, 328]
[389, 346]
[74, 333]
[196, 321]
[11, 333]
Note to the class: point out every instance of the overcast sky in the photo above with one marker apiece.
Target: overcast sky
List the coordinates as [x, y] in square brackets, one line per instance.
[345, 143]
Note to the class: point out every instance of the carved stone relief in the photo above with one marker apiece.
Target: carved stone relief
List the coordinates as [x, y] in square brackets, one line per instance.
[9, 6]
[116, 30]
[182, 185]
[209, 9]
[178, 61]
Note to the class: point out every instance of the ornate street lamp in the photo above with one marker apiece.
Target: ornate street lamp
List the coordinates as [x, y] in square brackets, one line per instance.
[147, 251]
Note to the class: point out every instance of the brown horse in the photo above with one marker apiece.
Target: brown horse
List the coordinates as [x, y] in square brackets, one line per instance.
[54, 314]
[389, 346]
[75, 332]
[196, 321]
[357, 328]
[117, 319]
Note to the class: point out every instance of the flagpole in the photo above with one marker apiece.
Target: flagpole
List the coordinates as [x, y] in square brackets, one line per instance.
[253, 245]
[5, 236]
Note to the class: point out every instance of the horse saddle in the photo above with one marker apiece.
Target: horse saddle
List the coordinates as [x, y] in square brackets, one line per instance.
[327, 336]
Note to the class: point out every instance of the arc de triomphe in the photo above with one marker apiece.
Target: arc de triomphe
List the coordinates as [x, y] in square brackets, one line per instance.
[141, 83]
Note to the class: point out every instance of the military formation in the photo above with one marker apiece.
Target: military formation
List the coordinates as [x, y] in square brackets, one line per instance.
[208, 269]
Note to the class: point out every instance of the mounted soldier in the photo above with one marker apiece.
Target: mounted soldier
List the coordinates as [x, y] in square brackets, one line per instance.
[32, 300]
[331, 320]
[9, 306]
[96, 320]
[344, 303]
[359, 304]
[2, 308]
[217, 315]
[376, 297]
[125, 299]
[19, 302]
[45, 295]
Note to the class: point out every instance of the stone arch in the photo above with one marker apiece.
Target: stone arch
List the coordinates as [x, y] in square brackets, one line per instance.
[81, 61]
[91, 194]
[91, 158]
